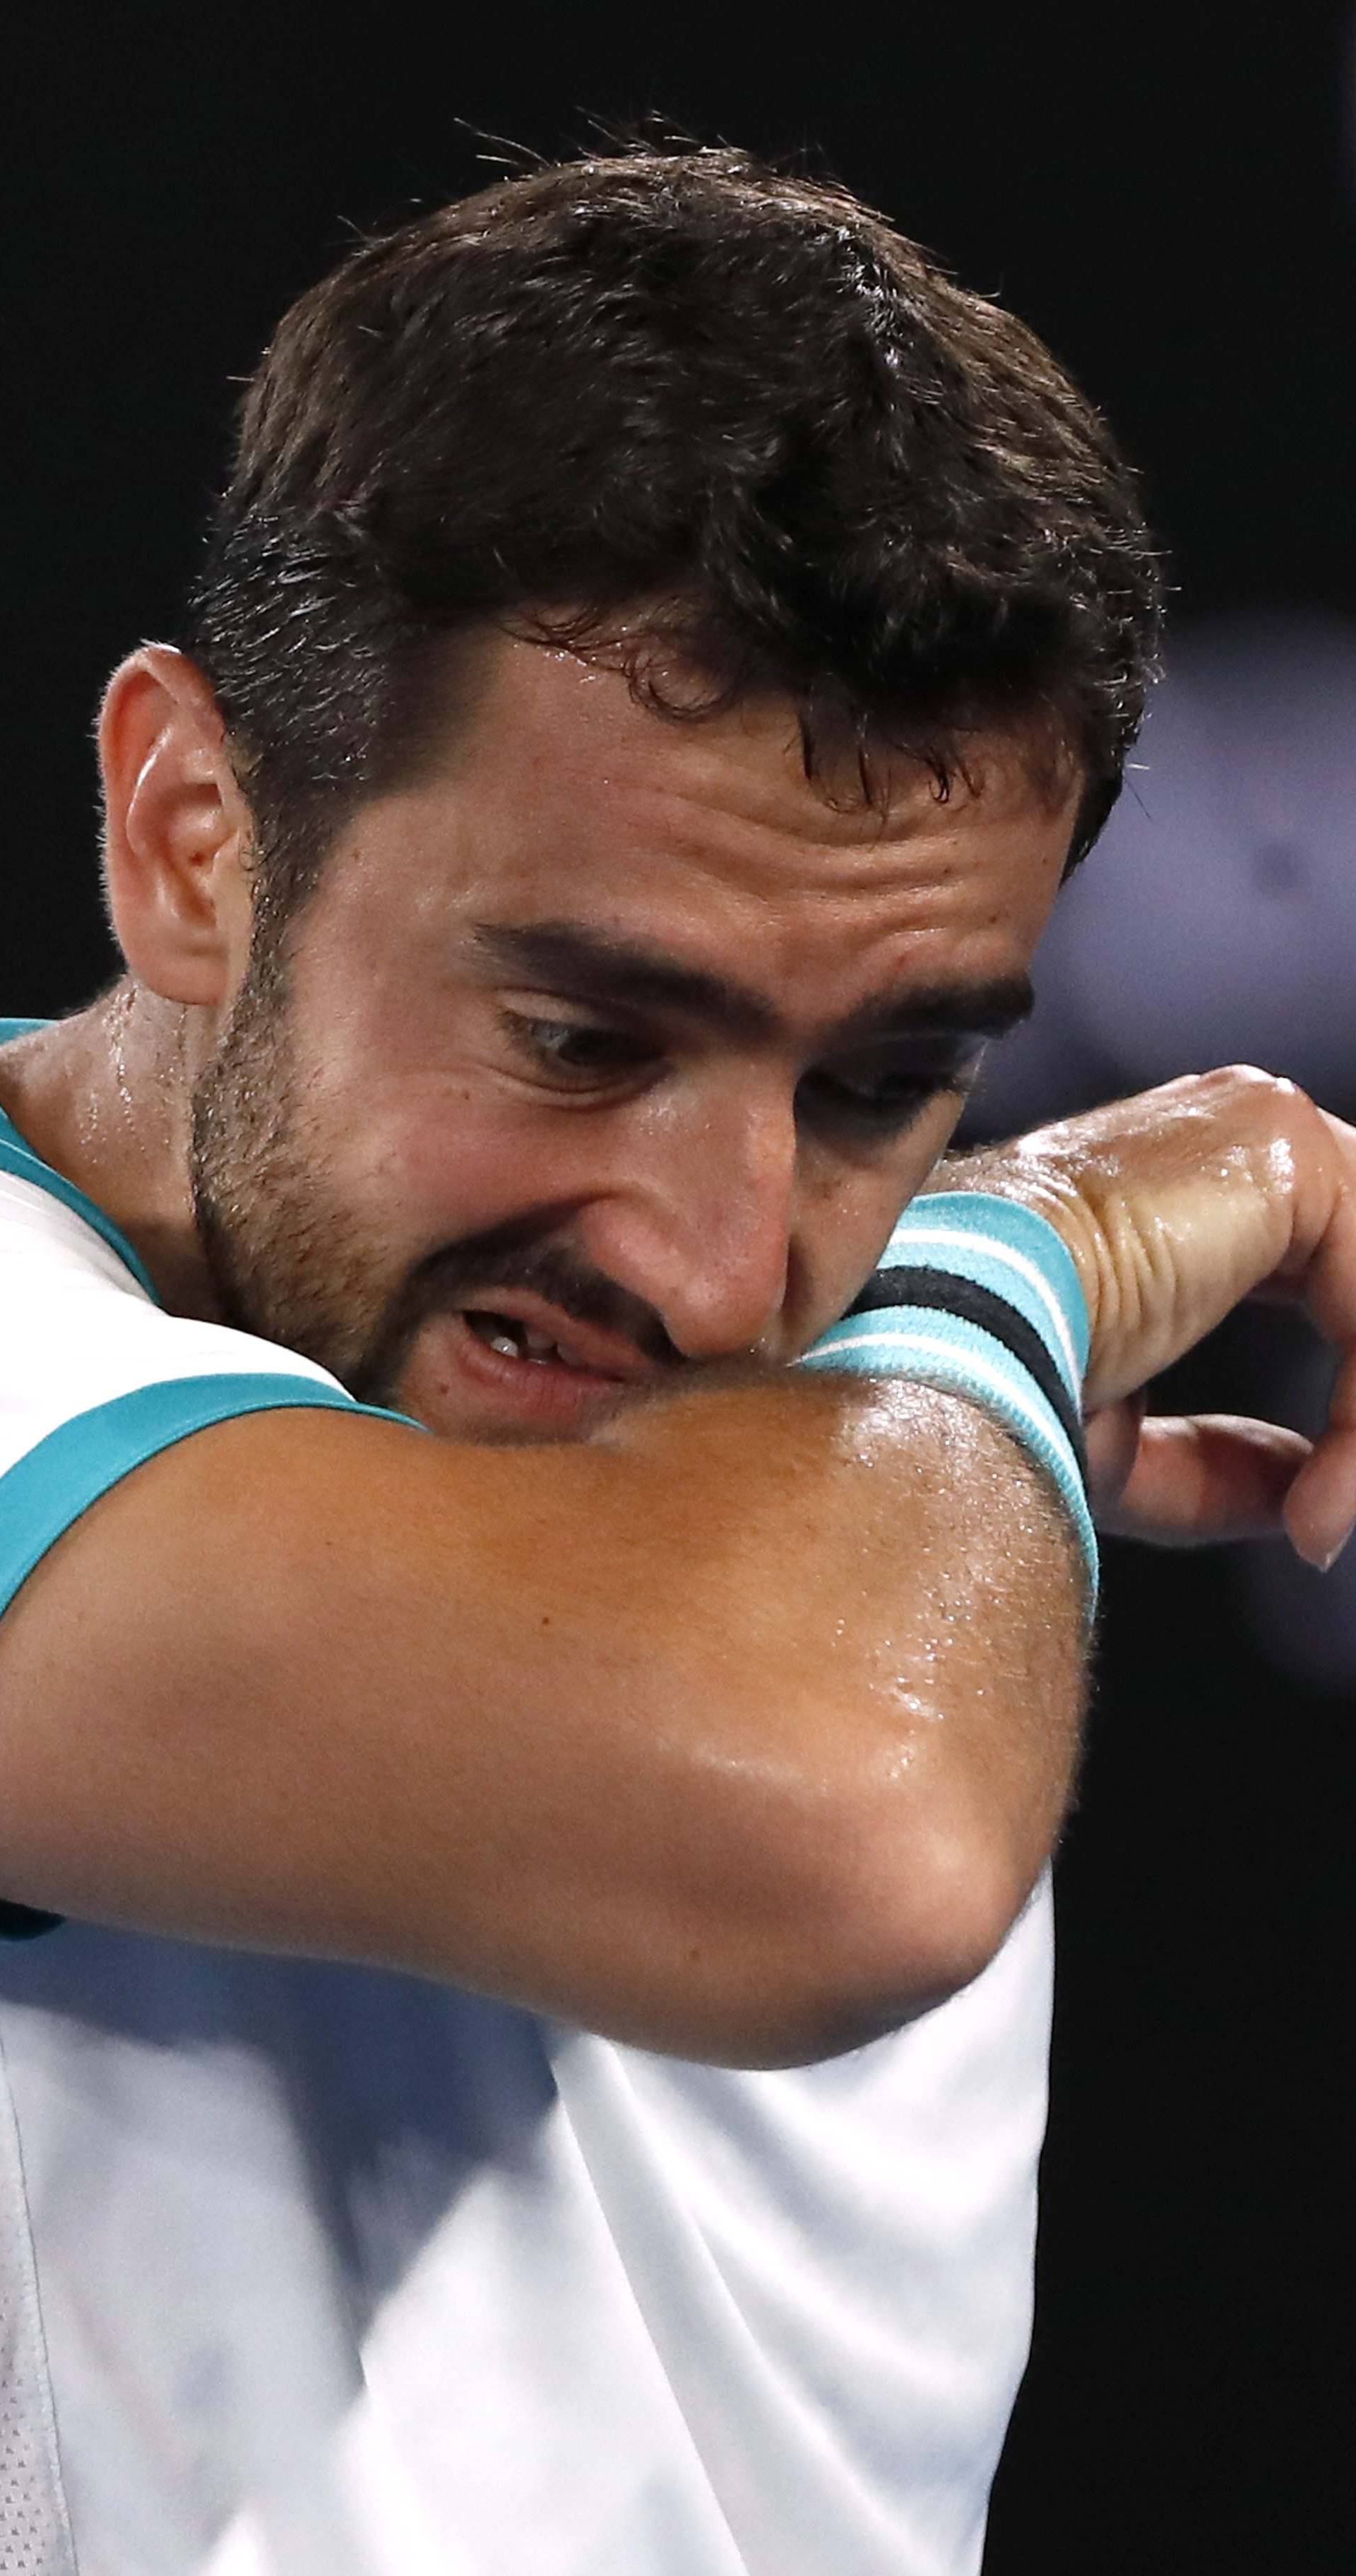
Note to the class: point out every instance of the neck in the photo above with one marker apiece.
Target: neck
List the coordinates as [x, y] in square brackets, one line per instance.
[105, 1099]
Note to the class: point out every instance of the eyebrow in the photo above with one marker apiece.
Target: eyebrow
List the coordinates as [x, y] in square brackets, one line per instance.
[593, 965]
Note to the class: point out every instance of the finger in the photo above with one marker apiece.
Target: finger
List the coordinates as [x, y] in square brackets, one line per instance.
[1340, 1129]
[1323, 1262]
[1111, 1440]
[1320, 1510]
[1205, 1477]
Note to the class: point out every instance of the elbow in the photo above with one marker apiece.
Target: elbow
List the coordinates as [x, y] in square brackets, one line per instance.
[910, 1945]
[887, 1919]
[935, 1911]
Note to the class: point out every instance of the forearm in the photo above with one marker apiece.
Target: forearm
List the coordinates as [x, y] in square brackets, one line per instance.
[742, 1732]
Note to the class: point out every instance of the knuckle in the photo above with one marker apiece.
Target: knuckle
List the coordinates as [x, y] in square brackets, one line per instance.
[1246, 1077]
[1258, 1086]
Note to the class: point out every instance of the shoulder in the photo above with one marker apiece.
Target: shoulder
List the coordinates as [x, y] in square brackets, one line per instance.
[95, 1375]
[80, 1324]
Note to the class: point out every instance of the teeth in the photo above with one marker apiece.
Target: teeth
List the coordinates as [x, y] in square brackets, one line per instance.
[512, 1339]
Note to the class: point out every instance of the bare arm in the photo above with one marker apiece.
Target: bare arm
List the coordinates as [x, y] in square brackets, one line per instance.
[743, 1731]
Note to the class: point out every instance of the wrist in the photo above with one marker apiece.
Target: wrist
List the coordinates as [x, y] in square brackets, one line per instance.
[1037, 1172]
[978, 1293]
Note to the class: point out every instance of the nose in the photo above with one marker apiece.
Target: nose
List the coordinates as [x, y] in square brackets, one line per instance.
[700, 1224]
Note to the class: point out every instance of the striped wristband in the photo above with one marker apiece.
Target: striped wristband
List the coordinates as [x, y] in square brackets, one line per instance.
[979, 1296]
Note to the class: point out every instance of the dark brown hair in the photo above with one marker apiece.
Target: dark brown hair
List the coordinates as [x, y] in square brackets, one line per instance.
[687, 397]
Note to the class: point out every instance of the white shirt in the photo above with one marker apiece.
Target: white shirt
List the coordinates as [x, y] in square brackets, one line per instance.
[310, 2270]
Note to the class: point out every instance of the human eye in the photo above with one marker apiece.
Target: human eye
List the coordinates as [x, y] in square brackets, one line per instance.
[880, 1097]
[578, 1053]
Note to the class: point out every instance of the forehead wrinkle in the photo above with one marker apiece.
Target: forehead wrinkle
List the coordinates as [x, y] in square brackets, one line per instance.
[714, 809]
[924, 847]
[746, 765]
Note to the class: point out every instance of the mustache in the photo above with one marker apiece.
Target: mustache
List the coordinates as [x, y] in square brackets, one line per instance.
[515, 1255]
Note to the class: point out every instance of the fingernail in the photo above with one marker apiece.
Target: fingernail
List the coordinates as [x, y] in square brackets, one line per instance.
[1326, 1563]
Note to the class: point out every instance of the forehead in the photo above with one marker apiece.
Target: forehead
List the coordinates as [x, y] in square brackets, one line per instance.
[546, 791]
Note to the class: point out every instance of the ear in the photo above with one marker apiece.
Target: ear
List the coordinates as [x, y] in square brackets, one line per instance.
[176, 830]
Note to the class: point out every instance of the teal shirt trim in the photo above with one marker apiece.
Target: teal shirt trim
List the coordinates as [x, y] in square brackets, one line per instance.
[49, 1488]
[17, 1156]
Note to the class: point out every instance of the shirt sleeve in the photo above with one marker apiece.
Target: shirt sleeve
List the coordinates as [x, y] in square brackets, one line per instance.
[95, 1378]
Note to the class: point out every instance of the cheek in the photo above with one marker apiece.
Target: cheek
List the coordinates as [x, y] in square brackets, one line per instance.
[453, 1163]
[934, 1133]
[847, 1222]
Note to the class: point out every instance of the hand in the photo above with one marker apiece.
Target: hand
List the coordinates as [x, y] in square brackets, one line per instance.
[1177, 1480]
[1175, 1206]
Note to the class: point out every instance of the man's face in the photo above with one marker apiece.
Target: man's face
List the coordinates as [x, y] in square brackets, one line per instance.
[608, 1047]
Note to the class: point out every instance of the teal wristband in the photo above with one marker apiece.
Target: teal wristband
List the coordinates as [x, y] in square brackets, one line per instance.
[979, 1296]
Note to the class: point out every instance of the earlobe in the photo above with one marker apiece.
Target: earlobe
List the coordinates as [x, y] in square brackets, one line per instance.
[175, 831]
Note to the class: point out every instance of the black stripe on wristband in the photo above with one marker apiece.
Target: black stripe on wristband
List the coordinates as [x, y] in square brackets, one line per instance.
[948, 1292]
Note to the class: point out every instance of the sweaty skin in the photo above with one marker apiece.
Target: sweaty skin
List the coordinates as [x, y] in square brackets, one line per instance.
[1175, 1206]
[701, 1704]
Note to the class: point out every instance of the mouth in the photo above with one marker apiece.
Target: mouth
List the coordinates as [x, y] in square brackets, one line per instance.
[515, 1339]
[518, 1365]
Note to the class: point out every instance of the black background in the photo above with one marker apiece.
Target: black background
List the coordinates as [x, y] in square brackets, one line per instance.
[1169, 194]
